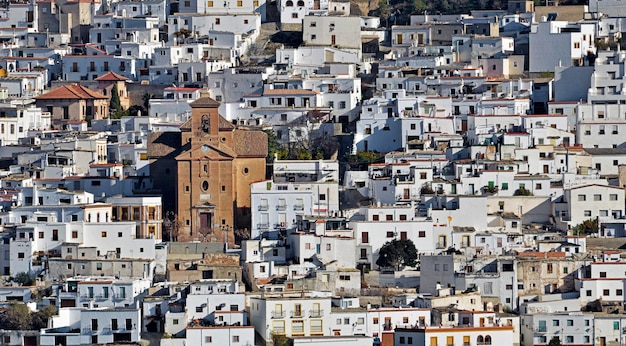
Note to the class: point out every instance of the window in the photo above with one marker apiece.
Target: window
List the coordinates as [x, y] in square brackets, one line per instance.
[587, 213]
[235, 338]
[20, 255]
[198, 308]
[208, 339]
[605, 292]
[616, 325]
[619, 292]
[582, 198]
[98, 266]
[602, 274]
[103, 234]
[550, 269]
[555, 323]
[597, 197]
[570, 323]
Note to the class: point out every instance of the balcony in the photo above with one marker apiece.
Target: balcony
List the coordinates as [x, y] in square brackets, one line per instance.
[387, 327]
[278, 314]
[316, 313]
[281, 225]
[281, 207]
[264, 208]
[296, 314]
[541, 330]
[298, 207]
[263, 225]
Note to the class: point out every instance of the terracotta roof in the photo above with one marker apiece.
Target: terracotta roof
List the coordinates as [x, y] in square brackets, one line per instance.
[163, 144]
[186, 126]
[72, 91]
[111, 76]
[225, 124]
[250, 143]
[204, 102]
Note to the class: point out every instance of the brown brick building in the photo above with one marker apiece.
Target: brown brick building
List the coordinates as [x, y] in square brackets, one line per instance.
[214, 165]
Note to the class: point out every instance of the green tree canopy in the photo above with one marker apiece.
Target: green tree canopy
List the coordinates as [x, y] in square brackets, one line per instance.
[23, 279]
[555, 341]
[397, 254]
[16, 317]
[115, 105]
[588, 226]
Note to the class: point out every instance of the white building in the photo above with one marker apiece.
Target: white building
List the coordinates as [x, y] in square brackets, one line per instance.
[80, 326]
[474, 328]
[297, 188]
[569, 327]
[570, 44]
[290, 316]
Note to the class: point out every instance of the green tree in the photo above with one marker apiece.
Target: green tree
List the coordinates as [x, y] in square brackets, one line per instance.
[115, 105]
[23, 279]
[384, 9]
[397, 254]
[418, 6]
[522, 192]
[274, 148]
[16, 317]
[588, 226]
[135, 110]
[555, 341]
[39, 319]
[145, 98]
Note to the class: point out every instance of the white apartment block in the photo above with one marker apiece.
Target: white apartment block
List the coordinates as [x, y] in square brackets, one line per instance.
[79, 326]
[589, 202]
[16, 121]
[339, 31]
[474, 328]
[603, 281]
[570, 328]
[290, 316]
[298, 188]
[569, 43]
[293, 12]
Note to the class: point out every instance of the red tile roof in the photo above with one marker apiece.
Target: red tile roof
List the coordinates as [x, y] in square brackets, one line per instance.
[72, 91]
[111, 76]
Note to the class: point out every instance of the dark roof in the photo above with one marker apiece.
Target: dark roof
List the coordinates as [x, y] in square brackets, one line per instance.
[605, 151]
[161, 144]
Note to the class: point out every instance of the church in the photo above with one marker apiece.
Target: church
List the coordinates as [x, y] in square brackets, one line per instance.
[215, 164]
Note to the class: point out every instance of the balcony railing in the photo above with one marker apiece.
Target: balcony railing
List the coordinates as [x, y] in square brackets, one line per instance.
[296, 313]
[281, 207]
[298, 207]
[264, 225]
[316, 313]
[264, 207]
[278, 314]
